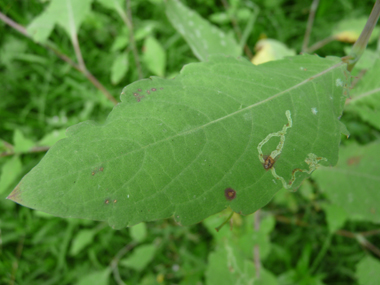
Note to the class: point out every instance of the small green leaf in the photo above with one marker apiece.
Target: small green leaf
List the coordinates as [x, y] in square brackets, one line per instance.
[368, 271]
[227, 266]
[10, 170]
[21, 143]
[119, 68]
[306, 190]
[69, 14]
[51, 138]
[138, 232]
[335, 216]
[154, 56]
[140, 257]
[269, 49]
[353, 184]
[203, 38]
[121, 41]
[117, 5]
[41, 27]
[96, 278]
[81, 240]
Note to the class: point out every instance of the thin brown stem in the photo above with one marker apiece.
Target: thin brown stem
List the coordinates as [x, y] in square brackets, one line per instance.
[370, 233]
[64, 57]
[310, 21]
[320, 44]
[237, 30]
[364, 242]
[348, 101]
[32, 150]
[78, 53]
[357, 78]
[128, 21]
[14, 25]
[256, 248]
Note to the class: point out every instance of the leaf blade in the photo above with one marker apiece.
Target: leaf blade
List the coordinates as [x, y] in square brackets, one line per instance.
[172, 147]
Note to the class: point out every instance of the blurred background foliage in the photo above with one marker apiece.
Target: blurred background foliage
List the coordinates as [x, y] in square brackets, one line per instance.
[302, 238]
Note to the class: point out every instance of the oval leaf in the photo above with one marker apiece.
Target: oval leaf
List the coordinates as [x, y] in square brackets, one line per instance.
[223, 133]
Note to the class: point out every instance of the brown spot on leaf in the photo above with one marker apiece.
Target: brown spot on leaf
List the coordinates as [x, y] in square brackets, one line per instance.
[230, 194]
[115, 201]
[93, 173]
[355, 160]
[107, 201]
[148, 91]
[268, 162]
[154, 89]
[139, 90]
[101, 168]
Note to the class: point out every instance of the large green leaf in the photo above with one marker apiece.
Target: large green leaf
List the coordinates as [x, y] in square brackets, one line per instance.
[191, 146]
[354, 183]
[203, 38]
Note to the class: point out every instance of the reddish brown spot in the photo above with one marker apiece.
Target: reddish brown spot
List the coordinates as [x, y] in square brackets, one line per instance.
[268, 162]
[136, 94]
[106, 201]
[148, 91]
[93, 173]
[115, 201]
[139, 90]
[230, 194]
[101, 168]
[354, 160]
[154, 89]
[161, 88]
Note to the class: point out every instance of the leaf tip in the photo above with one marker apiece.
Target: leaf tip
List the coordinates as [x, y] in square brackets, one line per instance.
[15, 195]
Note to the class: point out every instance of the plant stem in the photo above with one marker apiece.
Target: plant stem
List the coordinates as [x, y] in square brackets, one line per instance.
[78, 53]
[310, 21]
[128, 21]
[237, 30]
[115, 261]
[320, 44]
[321, 253]
[361, 44]
[32, 150]
[256, 248]
[225, 222]
[364, 242]
[64, 57]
